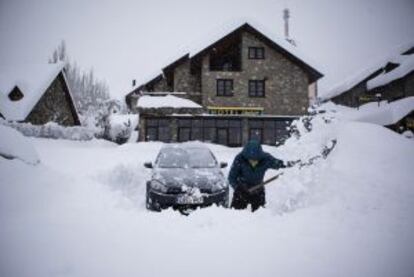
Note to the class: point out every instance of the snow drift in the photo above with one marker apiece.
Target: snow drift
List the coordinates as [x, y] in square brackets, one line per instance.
[13, 145]
[82, 212]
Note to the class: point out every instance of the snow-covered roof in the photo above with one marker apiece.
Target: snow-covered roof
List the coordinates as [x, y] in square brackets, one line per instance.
[207, 39]
[362, 74]
[384, 114]
[406, 66]
[32, 80]
[168, 101]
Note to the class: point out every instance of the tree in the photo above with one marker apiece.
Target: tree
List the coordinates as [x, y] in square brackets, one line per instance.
[88, 92]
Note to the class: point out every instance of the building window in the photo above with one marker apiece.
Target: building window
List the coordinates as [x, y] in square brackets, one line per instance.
[15, 94]
[224, 87]
[158, 130]
[256, 88]
[184, 134]
[256, 53]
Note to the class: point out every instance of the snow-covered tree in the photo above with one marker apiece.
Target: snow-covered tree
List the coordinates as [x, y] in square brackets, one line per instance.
[89, 93]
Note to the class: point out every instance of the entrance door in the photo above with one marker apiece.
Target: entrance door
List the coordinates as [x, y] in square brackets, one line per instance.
[222, 136]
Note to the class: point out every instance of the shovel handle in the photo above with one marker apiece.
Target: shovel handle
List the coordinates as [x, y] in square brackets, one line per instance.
[271, 179]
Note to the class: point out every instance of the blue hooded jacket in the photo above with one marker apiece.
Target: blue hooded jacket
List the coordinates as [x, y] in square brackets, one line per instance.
[243, 172]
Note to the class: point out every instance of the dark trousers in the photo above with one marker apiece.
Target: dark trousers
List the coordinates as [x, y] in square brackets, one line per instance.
[241, 199]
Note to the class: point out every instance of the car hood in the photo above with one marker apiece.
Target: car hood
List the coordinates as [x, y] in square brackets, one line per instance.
[203, 178]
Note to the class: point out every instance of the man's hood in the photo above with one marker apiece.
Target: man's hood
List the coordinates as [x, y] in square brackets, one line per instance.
[253, 151]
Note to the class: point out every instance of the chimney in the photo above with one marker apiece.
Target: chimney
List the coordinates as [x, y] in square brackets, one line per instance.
[286, 16]
[134, 82]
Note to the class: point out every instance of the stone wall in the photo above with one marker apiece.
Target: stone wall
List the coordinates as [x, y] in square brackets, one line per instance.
[286, 83]
[54, 105]
[184, 81]
[161, 85]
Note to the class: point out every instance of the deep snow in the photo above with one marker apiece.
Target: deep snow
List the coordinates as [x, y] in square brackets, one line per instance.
[81, 212]
[13, 145]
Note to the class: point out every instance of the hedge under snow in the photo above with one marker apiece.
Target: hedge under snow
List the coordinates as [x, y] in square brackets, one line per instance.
[52, 130]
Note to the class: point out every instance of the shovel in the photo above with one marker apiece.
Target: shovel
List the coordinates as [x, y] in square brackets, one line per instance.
[325, 153]
[256, 187]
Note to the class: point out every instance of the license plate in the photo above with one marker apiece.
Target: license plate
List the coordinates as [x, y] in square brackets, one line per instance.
[189, 199]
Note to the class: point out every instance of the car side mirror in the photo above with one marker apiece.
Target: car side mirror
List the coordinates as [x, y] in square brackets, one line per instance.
[223, 165]
[148, 164]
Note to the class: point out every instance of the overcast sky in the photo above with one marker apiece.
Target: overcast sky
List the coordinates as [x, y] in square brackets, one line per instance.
[124, 40]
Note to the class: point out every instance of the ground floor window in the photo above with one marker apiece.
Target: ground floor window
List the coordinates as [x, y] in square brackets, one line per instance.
[158, 129]
[256, 134]
[269, 131]
[221, 130]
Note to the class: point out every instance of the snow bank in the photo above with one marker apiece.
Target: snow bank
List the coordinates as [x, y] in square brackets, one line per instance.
[168, 101]
[347, 215]
[13, 145]
[52, 130]
[119, 127]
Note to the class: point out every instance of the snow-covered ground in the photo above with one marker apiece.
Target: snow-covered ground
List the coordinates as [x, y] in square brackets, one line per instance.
[81, 212]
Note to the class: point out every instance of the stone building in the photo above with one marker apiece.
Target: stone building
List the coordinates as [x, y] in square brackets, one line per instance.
[249, 86]
[36, 94]
[390, 80]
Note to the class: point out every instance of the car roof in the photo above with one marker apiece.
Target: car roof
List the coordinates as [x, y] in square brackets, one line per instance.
[185, 145]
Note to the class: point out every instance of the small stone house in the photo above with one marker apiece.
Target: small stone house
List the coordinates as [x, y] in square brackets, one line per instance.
[392, 80]
[36, 94]
[248, 84]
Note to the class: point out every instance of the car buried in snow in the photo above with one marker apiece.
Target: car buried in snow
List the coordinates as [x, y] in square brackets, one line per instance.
[186, 176]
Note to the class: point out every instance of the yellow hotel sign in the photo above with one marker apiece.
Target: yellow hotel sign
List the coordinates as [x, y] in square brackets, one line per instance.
[235, 110]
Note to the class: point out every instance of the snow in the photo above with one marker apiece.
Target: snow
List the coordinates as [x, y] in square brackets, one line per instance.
[81, 212]
[53, 130]
[121, 125]
[360, 75]
[13, 145]
[168, 101]
[406, 66]
[32, 80]
[383, 114]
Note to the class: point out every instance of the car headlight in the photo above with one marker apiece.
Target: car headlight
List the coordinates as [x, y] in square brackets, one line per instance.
[158, 186]
[219, 186]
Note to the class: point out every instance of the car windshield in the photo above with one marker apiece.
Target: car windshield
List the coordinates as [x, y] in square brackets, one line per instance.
[176, 157]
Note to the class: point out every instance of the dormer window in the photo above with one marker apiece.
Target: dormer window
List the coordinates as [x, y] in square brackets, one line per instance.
[256, 53]
[16, 94]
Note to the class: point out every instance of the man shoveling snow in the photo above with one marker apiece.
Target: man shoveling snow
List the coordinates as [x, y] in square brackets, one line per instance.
[247, 171]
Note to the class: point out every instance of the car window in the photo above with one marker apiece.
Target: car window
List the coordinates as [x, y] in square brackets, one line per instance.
[185, 158]
[173, 158]
[200, 158]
